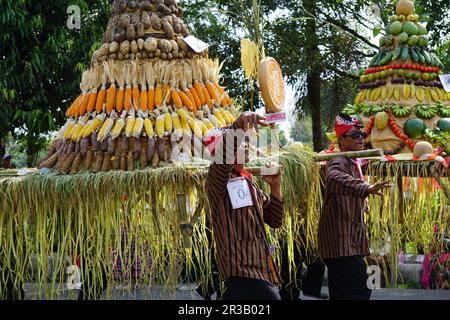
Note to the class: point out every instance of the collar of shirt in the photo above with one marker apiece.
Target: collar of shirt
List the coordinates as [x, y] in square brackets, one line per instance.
[358, 167]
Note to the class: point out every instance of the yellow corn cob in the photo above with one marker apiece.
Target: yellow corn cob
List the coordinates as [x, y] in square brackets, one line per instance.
[226, 116]
[176, 122]
[195, 128]
[95, 124]
[85, 129]
[137, 127]
[118, 126]
[214, 121]
[148, 125]
[105, 129]
[160, 125]
[218, 115]
[76, 131]
[208, 124]
[186, 127]
[130, 125]
[168, 122]
[69, 129]
[202, 126]
[183, 114]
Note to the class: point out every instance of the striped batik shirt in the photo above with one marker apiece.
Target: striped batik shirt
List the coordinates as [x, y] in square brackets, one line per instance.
[241, 241]
[342, 232]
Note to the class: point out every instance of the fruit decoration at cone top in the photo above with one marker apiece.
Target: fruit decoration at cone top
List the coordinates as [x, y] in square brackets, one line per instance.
[402, 86]
[145, 94]
[271, 83]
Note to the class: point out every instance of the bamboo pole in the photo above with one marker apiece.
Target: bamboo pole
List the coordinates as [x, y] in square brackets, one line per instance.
[350, 155]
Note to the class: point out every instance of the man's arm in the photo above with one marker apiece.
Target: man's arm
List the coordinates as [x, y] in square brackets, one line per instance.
[273, 206]
[342, 183]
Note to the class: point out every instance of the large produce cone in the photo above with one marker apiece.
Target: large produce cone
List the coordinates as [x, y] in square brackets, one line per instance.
[401, 93]
[144, 82]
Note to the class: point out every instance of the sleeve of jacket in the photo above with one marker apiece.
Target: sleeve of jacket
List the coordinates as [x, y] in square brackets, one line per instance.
[339, 182]
[273, 211]
[223, 162]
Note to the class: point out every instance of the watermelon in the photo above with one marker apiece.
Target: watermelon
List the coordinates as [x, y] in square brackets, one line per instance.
[414, 128]
[444, 124]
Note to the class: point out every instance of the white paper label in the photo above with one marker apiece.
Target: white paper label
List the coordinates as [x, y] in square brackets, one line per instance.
[445, 80]
[275, 117]
[239, 193]
[196, 44]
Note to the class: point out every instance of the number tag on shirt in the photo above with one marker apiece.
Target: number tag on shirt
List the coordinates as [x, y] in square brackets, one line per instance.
[239, 193]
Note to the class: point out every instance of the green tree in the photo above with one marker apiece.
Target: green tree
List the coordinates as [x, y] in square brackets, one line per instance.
[41, 60]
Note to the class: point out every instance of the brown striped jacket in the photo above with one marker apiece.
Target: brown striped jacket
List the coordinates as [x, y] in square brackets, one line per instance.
[342, 232]
[241, 241]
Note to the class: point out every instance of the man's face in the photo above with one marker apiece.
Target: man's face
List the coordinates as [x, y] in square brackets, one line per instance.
[353, 140]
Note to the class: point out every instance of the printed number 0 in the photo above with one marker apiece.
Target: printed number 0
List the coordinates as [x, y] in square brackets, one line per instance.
[241, 194]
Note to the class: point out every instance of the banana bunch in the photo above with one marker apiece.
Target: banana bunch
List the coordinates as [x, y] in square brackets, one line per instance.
[371, 110]
[400, 111]
[351, 109]
[444, 111]
[426, 112]
[360, 97]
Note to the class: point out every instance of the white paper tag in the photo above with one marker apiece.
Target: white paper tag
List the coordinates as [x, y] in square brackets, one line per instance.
[445, 80]
[196, 44]
[239, 193]
[275, 117]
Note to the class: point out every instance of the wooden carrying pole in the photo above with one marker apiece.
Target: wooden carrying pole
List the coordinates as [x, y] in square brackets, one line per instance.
[351, 154]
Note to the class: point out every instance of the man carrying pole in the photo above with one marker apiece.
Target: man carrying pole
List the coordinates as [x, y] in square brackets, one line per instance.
[342, 233]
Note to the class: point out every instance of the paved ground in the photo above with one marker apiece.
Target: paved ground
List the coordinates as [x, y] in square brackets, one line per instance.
[161, 293]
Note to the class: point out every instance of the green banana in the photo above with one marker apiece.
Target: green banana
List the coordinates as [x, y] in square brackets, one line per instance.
[405, 53]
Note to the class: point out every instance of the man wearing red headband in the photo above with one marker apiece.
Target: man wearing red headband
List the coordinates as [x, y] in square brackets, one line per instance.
[239, 211]
[342, 233]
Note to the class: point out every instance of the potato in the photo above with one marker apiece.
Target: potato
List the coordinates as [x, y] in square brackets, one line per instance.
[96, 55]
[131, 32]
[113, 47]
[136, 18]
[133, 4]
[182, 45]
[175, 47]
[155, 22]
[113, 56]
[184, 30]
[163, 8]
[134, 46]
[145, 19]
[139, 55]
[150, 55]
[121, 35]
[140, 30]
[181, 55]
[169, 19]
[157, 53]
[146, 5]
[132, 56]
[176, 24]
[140, 43]
[170, 2]
[125, 47]
[164, 45]
[164, 56]
[120, 56]
[190, 54]
[168, 29]
[104, 49]
[170, 56]
[150, 44]
[144, 55]
[127, 56]
[124, 21]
